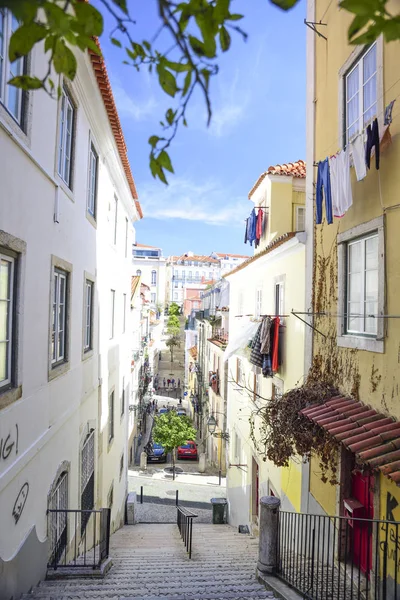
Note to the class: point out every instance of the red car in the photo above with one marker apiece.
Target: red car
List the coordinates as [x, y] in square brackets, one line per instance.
[188, 450]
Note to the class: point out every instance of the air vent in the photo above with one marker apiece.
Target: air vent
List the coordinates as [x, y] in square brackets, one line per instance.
[243, 529]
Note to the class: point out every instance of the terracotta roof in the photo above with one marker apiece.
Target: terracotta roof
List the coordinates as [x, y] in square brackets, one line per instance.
[144, 286]
[197, 257]
[103, 81]
[275, 244]
[295, 169]
[221, 254]
[374, 438]
[144, 246]
[134, 284]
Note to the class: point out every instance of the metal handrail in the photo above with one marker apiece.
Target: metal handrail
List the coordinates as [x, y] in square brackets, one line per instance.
[93, 546]
[184, 520]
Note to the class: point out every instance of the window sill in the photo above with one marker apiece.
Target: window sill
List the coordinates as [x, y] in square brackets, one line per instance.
[58, 370]
[67, 191]
[86, 354]
[91, 219]
[361, 343]
[12, 126]
[9, 396]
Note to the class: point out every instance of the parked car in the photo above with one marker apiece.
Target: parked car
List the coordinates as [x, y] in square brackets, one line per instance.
[181, 412]
[188, 450]
[156, 453]
[162, 411]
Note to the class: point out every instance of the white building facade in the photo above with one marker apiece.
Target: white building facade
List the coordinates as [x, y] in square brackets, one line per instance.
[186, 270]
[68, 202]
[151, 266]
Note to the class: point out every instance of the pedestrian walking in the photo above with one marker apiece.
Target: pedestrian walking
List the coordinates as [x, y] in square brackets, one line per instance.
[164, 382]
[173, 382]
[159, 358]
[168, 381]
[179, 383]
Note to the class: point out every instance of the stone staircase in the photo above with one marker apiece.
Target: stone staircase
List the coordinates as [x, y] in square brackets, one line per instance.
[150, 562]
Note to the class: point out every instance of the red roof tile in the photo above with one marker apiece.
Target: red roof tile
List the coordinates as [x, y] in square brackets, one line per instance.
[373, 437]
[295, 169]
[103, 81]
[196, 257]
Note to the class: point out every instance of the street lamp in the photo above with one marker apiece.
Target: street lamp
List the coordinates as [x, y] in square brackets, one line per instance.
[211, 424]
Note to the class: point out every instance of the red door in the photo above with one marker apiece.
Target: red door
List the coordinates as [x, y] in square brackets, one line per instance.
[362, 490]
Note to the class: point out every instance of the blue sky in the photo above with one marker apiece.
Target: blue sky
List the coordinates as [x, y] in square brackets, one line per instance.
[258, 120]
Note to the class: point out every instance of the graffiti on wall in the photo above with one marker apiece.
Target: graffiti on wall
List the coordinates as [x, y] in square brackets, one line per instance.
[390, 540]
[9, 444]
[20, 502]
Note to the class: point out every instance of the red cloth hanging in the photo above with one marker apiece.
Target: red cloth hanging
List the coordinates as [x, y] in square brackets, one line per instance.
[275, 345]
[259, 224]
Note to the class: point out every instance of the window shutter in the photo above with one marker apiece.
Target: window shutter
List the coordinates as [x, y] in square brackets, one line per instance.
[300, 218]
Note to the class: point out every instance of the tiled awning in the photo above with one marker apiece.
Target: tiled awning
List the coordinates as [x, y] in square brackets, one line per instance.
[374, 438]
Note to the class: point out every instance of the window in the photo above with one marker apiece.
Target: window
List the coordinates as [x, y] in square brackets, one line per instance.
[87, 478]
[138, 272]
[258, 302]
[190, 276]
[362, 286]
[153, 298]
[124, 313]
[176, 284]
[175, 295]
[123, 397]
[197, 276]
[300, 218]
[121, 465]
[126, 236]
[92, 187]
[361, 279]
[154, 278]
[115, 220]
[239, 371]
[278, 298]
[111, 417]
[210, 275]
[361, 93]
[59, 321]
[58, 535]
[237, 450]
[10, 96]
[112, 313]
[66, 126]
[88, 337]
[7, 318]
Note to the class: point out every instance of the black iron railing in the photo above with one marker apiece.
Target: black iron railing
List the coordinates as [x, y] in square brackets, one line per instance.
[78, 538]
[339, 558]
[184, 520]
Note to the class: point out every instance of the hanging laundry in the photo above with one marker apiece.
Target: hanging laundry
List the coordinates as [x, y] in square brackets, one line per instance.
[324, 183]
[259, 224]
[256, 357]
[265, 335]
[246, 227]
[372, 142]
[275, 360]
[388, 113]
[342, 196]
[251, 227]
[357, 148]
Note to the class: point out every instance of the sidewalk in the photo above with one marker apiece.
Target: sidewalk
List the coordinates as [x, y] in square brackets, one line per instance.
[145, 438]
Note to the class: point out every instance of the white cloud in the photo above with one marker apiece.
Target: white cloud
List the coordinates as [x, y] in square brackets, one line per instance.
[131, 108]
[209, 202]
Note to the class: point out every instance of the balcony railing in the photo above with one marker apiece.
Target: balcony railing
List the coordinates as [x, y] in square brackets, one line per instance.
[221, 335]
[214, 381]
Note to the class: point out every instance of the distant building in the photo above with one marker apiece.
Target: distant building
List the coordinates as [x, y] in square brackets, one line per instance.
[150, 265]
[190, 269]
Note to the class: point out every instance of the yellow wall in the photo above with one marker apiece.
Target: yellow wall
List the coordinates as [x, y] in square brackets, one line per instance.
[372, 377]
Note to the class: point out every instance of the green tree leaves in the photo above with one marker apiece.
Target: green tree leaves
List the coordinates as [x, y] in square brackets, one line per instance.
[24, 38]
[172, 431]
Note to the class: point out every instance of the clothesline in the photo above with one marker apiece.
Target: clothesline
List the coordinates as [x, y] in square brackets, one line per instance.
[262, 316]
[345, 315]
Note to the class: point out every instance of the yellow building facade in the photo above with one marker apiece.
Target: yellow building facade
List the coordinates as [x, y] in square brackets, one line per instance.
[353, 266]
[270, 283]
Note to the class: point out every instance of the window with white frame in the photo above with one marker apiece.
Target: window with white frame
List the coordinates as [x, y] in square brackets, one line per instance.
[11, 97]
[7, 318]
[65, 134]
[59, 320]
[92, 184]
[360, 85]
[362, 286]
[154, 278]
[87, 479]
[197, 275]
[190, 276]
[258, 302]
[138, 272]
[111, 416]
[123, 313]
[175, 295]
[88, 333]
[115, 221]
[126, 236]
[237, 448]
[300, 218]
[210, 275]
[153, 298]
[112, 313]
[278, 300]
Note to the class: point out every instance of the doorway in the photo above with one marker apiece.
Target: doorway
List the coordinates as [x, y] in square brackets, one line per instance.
[362, 490]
